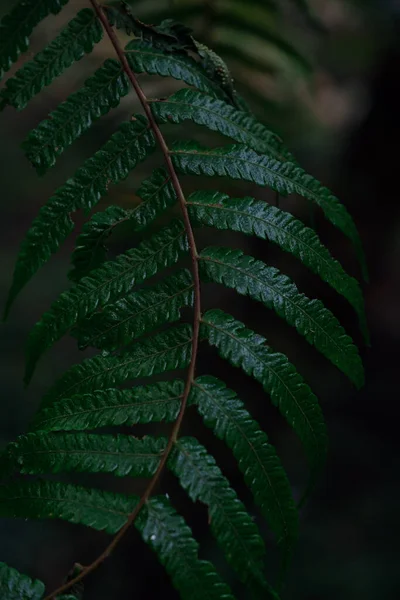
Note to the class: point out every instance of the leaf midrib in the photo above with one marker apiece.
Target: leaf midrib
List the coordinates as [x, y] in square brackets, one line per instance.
[122, 454]
[108, 407]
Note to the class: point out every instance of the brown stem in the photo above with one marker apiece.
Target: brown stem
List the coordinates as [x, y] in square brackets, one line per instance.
[197, 309]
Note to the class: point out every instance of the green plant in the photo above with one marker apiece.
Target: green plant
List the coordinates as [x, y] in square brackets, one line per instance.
[107, 310]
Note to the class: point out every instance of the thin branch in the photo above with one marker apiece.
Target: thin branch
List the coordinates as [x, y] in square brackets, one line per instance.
[197, 306]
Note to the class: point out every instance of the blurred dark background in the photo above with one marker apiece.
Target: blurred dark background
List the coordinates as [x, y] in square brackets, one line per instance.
[343, 123]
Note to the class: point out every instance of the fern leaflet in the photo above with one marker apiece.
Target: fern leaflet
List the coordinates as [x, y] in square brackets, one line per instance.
[17, 26]
[78, 38]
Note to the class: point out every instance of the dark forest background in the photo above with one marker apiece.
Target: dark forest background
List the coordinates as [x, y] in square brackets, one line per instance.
[343, 124]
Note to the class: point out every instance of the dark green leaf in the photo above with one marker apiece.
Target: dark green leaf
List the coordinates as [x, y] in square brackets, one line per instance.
[143, 311]
[16, 586]
[17, 26]
[294, 399]
[52, 500]
[145, 58]
[104, 285]
[121, 455]
[101, 92]
[251, 277]
[254, 217]
[77, 39]
[142, 404]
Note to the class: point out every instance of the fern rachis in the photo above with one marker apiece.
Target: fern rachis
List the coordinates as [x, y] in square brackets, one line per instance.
[116, 307]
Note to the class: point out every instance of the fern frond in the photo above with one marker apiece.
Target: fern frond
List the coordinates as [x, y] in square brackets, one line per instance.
[124, 455]
[133, 308]
[101, 92]
[251, 277]
[132, 143]
[143, 311]
[219, 116]
[17, 26]
[220, 409]
[156, 193]
[77, 39]
[254, 217]
[263, 472]
[168, 535]
[104, 285]
[102, 408]
[16, 586]
[239, 162]
[145, 58]
[230, 523]
[159, 353]
[294, 399]
[121, 455]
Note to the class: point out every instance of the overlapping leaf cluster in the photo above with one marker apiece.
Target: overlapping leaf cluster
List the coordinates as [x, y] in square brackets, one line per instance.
[132, 308]
[255, 36]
